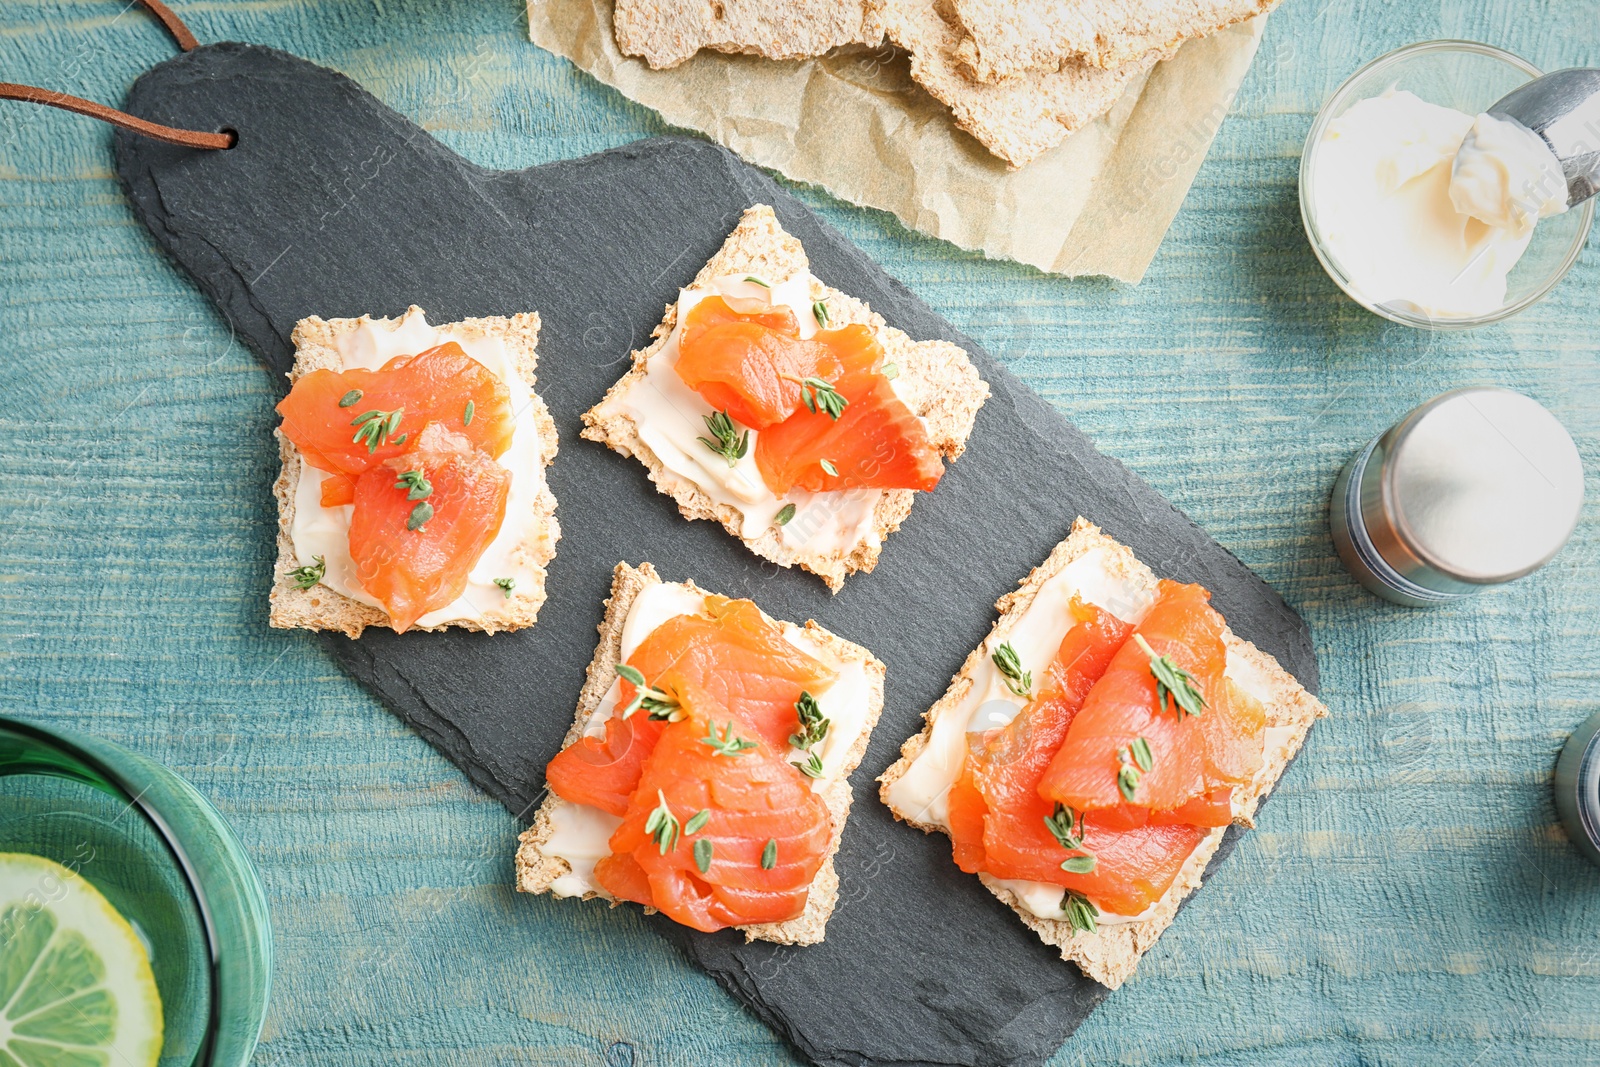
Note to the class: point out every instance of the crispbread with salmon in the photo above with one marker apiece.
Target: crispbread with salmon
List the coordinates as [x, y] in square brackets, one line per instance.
[941, 385]
[537, 871]
[322, 608]
[666, 34]
[1111, 954]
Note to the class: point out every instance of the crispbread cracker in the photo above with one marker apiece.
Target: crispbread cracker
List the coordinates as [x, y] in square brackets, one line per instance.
[938, 380]
[1021, 118]
[536, 871]
[1110, 955]
[665, 33]
[1005, 39]
[321, 608]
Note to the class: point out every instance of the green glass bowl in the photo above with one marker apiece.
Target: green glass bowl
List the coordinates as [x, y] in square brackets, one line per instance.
[164, 858]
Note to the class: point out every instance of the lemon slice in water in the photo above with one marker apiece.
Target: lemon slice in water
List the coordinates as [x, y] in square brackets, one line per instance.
[76, 989]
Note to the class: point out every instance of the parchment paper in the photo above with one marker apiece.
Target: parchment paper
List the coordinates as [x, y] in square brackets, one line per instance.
[854, 123]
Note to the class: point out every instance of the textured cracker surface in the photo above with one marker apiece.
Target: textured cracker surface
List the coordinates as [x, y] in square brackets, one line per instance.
[320, 607]
[939, 384]
[1004, 39]
[535, 871]
[667, 32]
[139, 536]
[1021, 118]
[1111, 954]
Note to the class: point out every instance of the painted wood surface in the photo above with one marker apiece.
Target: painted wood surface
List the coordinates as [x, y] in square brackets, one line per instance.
[1409, 896]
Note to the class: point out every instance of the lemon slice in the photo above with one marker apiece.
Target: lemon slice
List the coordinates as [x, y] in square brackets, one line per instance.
[76, 989]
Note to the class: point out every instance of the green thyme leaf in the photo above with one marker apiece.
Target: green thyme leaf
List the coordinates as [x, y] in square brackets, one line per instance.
[351, 398]
[1140, 748]
[663, 825]
[309, 575]
[660, 705]
[417, 485]
[1128, 781]
[506, 585]
[758, 281]
[813, 725]
[819, 310]
[812, 767]
[784, 515]
[1066, 826]
[817, 394]
[632, 674]
[1079, 864]
[1173, 683]
[769, 855]
[1081, 912]
[419, 515]
[1009, 665]
[466, 416]
[697, 821]
[702, 854]
[374, 428]
[891, 371]
[730, 444]
[726, 744]
[827, 465]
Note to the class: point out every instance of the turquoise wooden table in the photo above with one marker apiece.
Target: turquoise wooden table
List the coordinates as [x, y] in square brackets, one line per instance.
[1409, 897]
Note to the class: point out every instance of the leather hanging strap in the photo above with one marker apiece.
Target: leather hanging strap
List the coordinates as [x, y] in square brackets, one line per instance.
[171, 135]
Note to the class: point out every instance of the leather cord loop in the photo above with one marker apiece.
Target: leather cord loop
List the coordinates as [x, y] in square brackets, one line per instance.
[77, 105]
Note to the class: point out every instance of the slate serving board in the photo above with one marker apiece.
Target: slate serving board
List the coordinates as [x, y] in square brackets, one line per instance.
[333, 204]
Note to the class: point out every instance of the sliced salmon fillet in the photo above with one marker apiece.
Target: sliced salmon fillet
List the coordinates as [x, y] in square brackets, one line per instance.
[338, 490]
[1192, 754]
[757, 808]
[413, 568]
[431, 387]
[995, 802]
[876, 443]
[729, 651]
[749, 365]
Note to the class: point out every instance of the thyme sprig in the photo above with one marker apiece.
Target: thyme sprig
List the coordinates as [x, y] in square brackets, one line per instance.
[1009, 664]
[819, 311]
[811, 766]
[660, 705]
[506, 585]
[817, 394]
[1081, 912]
[663, 825]
[1066, 826]
[730, 444]
[374, 428]
[725, 744]
[416, 485]
[1173, 683]
[309, 575]
[813, 724]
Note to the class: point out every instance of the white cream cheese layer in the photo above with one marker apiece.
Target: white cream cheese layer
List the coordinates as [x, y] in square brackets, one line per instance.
[1392, 204]
[922, 793]
[670, 419]
[325, 532]
[580, 833]
[1505, 175]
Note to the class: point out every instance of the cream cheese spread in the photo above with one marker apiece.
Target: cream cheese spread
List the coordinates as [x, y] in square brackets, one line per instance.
[1426, 209]
[921, 793]
[580, 833]
[319, 531]
[670, 420]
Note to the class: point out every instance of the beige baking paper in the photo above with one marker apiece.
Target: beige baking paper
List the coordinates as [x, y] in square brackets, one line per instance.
[854, 123]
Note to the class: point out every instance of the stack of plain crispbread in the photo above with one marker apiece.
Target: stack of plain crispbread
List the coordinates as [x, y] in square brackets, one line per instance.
[1019, 75]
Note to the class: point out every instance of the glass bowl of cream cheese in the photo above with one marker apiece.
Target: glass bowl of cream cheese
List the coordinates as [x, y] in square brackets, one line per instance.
[1425, 210]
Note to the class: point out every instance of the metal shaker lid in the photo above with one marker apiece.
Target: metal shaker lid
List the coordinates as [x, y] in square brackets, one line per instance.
[1482, 485]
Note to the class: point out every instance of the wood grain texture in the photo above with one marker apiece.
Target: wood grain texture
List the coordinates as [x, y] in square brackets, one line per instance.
[1409, 896]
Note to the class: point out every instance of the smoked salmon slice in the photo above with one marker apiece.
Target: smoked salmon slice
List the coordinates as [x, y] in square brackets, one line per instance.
[422, 519]
[346, 422]
[875, 443]
[1190, 754]
[714, 839]
[749, 365]
[730, 652]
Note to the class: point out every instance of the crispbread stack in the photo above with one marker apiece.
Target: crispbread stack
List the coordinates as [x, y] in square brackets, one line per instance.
[322, 608]
[536, 871]
[1111, 954]
[665, 33]
[939, 382]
